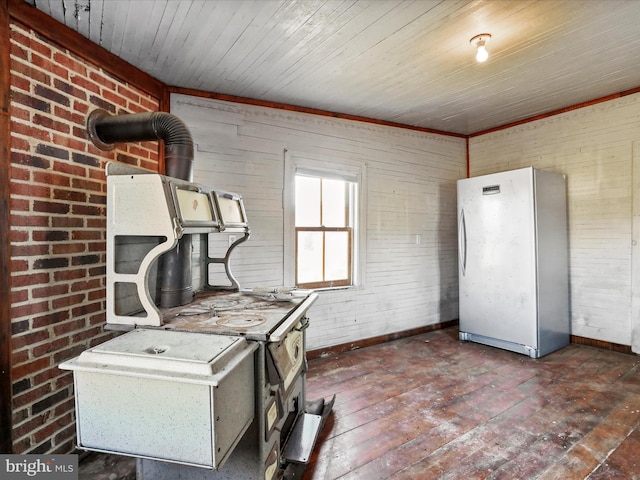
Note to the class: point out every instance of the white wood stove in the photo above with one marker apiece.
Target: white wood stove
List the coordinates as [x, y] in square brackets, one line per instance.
[209, 387]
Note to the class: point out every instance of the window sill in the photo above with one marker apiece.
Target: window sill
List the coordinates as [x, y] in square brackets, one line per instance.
[335, 289]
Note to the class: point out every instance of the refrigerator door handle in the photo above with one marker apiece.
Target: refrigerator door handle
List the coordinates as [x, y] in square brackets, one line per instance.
[462, 243]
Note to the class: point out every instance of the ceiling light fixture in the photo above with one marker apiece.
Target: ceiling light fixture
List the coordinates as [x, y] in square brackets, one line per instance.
[479, 41]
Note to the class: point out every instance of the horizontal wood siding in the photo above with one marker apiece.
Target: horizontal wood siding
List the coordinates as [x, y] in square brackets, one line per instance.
[411, 262]
[593, 147]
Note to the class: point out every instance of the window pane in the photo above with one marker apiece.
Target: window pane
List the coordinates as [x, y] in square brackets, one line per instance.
[336, 256]
[309, 257]
[333, 203]
[307, 201]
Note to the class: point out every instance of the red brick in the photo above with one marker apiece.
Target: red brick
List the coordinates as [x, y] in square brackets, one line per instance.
[86, 309]
[69, 169]
[65, 407]
[29, 250]
[64, 380]
[67, 301]
[60, 208]
[19, 296]
[51, 124]
[19, 51]
[17, 236]
[49, 429]
[69, 142]
[29, 368]
[30, 425]
[129, 93]
[149, 165]
[70, 63]
[51, 178]
[68, 248]
[19, 37]
[114, 98]
[37, 46]
[20, 144]
[31, 73]
[80, 107]
[54, 371]
[20, 205]
[51, 290]
[97, 295]
[68, 353]
[97, 223]
[20, 173]
[87, 334]
[29, 221]
[50, 319]
[68, 115]
[69, 222]
[18, 265]
[102, 80]
[18, 357]
[69, 274]
[28, 160]
[91, 284]
[149, 104]
[19, 128]
[97, 246]
[49, 66]
[20, 416]
[31, 396]
[30, 190]
[20, 341]
[70, 195]
[98, 174]
[29, 309]
[83, 82]
[29, 279]
[99, 319]
[20, 83]
[85, 184]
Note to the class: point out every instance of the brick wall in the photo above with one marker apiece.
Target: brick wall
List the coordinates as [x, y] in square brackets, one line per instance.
[57, 228]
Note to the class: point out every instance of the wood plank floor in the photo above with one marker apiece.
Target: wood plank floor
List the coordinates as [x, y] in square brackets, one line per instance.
[431, 407]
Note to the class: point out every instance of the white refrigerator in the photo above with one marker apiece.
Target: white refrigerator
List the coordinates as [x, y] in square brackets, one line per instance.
[513, 261]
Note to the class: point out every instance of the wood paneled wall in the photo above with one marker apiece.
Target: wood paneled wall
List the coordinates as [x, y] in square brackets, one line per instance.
[411, 261]
[592, 146]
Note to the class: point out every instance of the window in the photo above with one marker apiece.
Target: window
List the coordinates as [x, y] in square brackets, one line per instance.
[325, 215]
[324, 220]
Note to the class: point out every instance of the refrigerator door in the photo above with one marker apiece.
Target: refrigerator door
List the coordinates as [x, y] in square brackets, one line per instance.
[497, 258]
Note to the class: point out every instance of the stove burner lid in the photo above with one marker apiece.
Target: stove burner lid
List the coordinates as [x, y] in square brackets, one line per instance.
[246, 320]
[223, 303]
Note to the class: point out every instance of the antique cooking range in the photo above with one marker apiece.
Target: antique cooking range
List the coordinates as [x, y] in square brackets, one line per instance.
[208, 380]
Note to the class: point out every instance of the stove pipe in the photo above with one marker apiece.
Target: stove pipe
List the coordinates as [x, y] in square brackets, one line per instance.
[105, 130]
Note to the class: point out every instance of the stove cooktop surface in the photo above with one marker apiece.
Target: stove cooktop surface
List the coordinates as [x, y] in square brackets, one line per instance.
[253, 315]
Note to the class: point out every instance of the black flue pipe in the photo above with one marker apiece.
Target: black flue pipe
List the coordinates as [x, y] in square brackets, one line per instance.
[105, 130]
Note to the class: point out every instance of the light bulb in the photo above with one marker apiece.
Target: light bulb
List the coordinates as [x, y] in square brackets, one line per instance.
[481, 54]
[479, 41]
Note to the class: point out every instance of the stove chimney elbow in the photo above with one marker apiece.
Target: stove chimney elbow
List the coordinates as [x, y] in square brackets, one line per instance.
[105, 130]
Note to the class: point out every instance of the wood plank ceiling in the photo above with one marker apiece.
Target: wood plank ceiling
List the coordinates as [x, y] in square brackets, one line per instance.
[401, 61]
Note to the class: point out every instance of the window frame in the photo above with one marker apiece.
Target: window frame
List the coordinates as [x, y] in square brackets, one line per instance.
[335, 168]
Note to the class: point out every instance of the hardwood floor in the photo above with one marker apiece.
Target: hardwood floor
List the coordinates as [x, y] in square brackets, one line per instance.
[431, 407]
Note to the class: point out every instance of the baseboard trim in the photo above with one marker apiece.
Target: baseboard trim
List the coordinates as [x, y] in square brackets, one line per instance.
[614, 347]
[368, 342]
